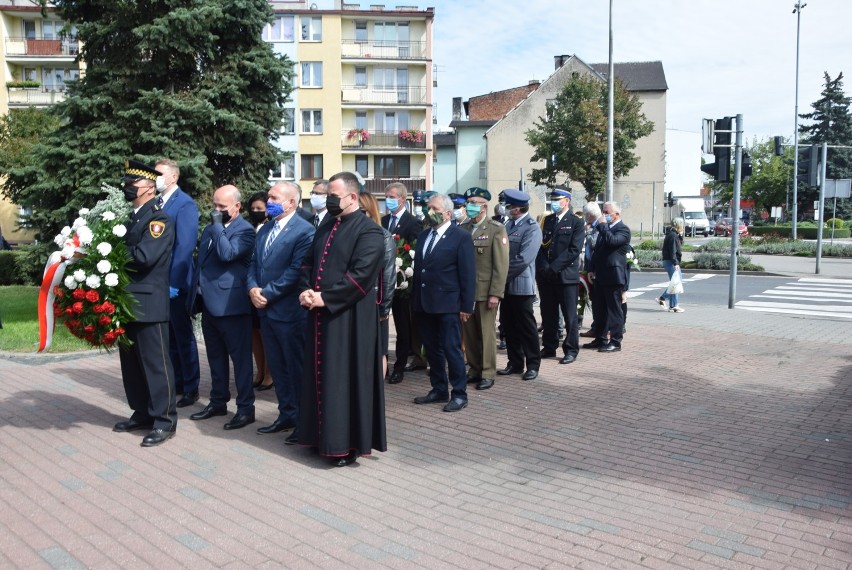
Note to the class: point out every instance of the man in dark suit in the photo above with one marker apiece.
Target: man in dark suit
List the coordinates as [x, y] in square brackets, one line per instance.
[273, 280]
[444, 295]
[608, 272]
[220, 281]
[558, 275]
[146, 369]
[183, 213]
[319, 195]
[401, 223]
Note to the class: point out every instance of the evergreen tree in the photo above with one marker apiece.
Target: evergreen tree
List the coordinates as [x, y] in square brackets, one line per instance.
[190, 80]
[831, 122]
[572, 138]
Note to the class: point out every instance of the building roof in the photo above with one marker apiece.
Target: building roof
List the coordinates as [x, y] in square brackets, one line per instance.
[444, 139]
[636, 75]
[487, 123]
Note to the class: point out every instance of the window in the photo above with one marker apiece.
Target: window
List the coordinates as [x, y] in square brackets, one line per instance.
[312, 74]
[360, 31]
[30, 74]
[288, 168]
[51, 29]
[483, 171]
[288, 124]
[360, 76]
[392, 122]
[393, 166]
[54, 79]
[361, 164]
[392, 79]
[360, 119]
[312, 121]
[393, 34]
[29, 29]
[311, 166]
[280, 30]
[311, 28]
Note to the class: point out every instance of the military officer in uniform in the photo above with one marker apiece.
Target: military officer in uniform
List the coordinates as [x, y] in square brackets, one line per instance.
[517, 315]
[146, 369]
[558, 275]
[491, 255]
[459, 205]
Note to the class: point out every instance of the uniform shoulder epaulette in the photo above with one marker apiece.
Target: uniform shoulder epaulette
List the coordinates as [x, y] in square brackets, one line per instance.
[496, 223]
[156, 208]
[531, 222]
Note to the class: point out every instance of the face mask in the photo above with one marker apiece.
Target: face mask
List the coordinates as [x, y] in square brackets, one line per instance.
[473, 210]
[130, 192]
[274, 209]
[435, 219]
[226, 217]
[555, 206]
[458, 214]
[608, 218]
[257, 217]
[332, 203]
[419, 215]
[392, 204]
[161, 183]
[318, 201]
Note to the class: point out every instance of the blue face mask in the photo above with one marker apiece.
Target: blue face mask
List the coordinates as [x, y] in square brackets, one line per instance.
[608, 218]
[274, 209]
[555, 206]
[473, 210]
[392, 204]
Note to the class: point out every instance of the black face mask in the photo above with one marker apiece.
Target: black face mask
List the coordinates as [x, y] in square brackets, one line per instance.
[131, 192]
[255, 217]
[332, 204]
[226, 217]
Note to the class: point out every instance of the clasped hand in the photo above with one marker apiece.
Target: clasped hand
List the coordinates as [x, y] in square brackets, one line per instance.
[311, 299]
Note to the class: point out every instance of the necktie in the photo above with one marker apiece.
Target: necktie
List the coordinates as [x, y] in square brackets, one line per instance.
[316, 220]
[433, 239]
[160, 201]
[272, 235]
[392, 224]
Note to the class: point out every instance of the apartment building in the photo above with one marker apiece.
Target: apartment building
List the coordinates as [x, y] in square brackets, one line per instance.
[363, 97]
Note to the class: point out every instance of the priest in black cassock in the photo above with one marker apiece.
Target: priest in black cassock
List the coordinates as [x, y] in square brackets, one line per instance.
[342, 411]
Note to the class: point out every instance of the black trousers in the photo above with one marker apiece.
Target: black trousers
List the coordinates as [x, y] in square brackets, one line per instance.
[521, 331]
[613, 315]
[556, 298]
[146, 370]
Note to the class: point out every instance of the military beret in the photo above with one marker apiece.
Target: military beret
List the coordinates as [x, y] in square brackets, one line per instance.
[477, 193]
[135, 170]
[516, 197]
[458, 199]
[424, 196]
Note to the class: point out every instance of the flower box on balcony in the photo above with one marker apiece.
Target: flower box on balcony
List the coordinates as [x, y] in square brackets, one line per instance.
[411, 135]
[23, 84]
[360, 135]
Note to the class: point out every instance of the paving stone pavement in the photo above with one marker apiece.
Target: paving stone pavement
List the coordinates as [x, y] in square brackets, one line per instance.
[715, 439]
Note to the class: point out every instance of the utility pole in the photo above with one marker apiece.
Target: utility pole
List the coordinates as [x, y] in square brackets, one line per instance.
[735, 229]
[797, 9]
[610, 116]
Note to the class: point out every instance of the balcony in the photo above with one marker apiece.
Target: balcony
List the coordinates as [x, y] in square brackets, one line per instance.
[370, 94]
[376, 49]
[380, 140]
[37, 48]
[378, 185]
[38, 97]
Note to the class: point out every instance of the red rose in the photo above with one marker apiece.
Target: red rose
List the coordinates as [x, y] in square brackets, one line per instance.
[108, 338]
[104, 320]
[97, 309]
[69, 312]
[79, 294]
[58, 292]
[119, 331]
[77, 307]
[92, 296]
[89, 328]
[108, 307]
[75, 323]
[90, 337]
[57, 311]
[406, 247]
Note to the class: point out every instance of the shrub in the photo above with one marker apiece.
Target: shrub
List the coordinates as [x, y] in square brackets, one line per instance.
[650, 244]
[30, 262]
[716, 245]
[835, 223]
[723, 261]
[9, 268]
[649, 258]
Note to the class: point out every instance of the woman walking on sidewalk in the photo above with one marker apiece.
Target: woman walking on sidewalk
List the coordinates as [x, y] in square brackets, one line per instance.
[671, 261]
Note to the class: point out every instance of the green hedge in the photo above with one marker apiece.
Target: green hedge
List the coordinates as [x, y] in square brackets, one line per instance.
[723, 261]
[803, 232]
[9, 268]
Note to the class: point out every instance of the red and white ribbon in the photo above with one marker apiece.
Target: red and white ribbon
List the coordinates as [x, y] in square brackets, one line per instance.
[54, 270]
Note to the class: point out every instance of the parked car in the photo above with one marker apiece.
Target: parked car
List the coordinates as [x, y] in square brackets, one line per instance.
[711, 227]
[724, 227]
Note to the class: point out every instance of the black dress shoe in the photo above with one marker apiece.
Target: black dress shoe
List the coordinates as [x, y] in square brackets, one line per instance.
[501, 345]
[588, 334]
[263, 387]
[347, 459]
[292, 439]
[188, 399]
[610, 347]
[594, 344]
[474, 379]
[510, 370]
[132, 425]
[548, 353]
[430, 398]
[455, 405]
[240, 421]
[530, 375]
[484, 384]
[276, 426]
[396, 377]
[156, 437]
[209, 412]
[412, 367]
[567, 359]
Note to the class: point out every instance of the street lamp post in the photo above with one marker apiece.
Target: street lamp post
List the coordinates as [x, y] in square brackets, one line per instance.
[610, 116]
[797, 9]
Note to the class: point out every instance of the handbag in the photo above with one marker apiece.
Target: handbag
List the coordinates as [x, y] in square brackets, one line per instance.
[676, 284]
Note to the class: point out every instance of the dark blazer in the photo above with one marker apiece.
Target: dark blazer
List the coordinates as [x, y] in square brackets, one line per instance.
[609, 258]
[561, 248]
[445, 282]
[277, 273]
[221, 270]
[408, 227]
[671, 247]
[184, 214]
[150, 238]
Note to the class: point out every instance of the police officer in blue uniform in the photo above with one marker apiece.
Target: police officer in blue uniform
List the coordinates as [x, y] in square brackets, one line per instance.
[146, 369]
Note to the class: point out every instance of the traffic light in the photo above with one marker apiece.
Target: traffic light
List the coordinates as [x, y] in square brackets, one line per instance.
[808, 165]
[745, 172]
[779, 146]
[669, 200]
[721, 169]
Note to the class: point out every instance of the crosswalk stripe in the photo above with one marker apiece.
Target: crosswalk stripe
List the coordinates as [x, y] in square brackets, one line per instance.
[793, 312]
[811, 293]
[819, 308]
[772, 295]
[806, 296]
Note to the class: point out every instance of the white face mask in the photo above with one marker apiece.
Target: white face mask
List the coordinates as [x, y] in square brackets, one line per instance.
[458, 213]
[161, 183]
[317, 201]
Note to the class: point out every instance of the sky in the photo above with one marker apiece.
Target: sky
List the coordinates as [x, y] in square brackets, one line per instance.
[721, 57]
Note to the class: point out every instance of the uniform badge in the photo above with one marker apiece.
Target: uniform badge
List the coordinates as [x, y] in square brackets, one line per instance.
[156, 228]
[504, 240]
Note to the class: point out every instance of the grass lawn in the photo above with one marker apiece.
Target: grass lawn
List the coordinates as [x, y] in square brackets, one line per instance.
[20, 323]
